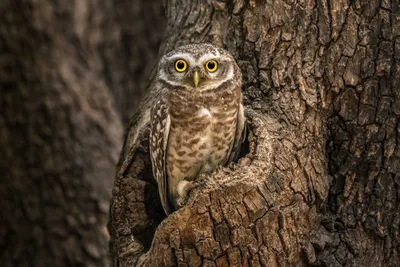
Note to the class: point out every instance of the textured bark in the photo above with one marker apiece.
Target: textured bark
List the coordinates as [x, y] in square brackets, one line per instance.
[60, 135]
[321, 182]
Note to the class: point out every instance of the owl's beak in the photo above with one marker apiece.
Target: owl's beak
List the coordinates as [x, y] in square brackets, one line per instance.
[196, 78]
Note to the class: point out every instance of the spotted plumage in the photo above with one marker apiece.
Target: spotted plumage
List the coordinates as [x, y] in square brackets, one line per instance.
[197, 122]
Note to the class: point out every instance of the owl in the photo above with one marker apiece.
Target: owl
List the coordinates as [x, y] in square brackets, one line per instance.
[197, 122]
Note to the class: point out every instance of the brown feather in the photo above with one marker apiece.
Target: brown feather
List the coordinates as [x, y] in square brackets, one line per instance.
[194, 129]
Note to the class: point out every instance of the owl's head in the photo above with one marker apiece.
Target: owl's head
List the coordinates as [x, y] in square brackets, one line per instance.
[197, 67]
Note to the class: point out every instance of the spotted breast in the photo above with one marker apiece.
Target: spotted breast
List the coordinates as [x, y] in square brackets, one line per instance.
[197, 122]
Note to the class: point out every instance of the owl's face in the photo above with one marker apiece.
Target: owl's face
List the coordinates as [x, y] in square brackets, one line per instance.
[197, 67]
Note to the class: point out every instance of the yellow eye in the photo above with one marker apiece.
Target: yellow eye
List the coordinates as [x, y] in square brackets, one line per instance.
[180, 65]
[211, 65]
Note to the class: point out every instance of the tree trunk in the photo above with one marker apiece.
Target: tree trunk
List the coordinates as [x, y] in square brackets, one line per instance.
[321, 182]
[133, 32]
[62, 68]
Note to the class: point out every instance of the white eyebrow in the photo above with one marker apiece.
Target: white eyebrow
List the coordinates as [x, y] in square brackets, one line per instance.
[209, 56]
[181, 55]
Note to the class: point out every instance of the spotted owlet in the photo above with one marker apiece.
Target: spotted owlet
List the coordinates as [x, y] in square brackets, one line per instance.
[197, 121]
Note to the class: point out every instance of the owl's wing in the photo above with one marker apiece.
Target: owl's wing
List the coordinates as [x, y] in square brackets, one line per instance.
[159, 131]
[240, 135]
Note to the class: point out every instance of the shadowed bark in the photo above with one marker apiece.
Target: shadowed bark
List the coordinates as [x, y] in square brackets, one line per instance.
[320, 185]
[63, 68]
[134, 30]
[59, 140]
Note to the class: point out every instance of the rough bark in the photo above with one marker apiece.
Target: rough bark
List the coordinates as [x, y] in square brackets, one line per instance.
[70, 71]
[60, 135]
[321, 182]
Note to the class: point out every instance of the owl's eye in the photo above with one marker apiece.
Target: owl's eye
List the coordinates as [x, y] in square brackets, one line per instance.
[180, 65]
[211, 65]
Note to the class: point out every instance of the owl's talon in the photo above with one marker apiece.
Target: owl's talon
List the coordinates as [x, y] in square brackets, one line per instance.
[232, 166]
[219, 167]
[186, 187]
[181, 201]
[183, 190]
[199, 183]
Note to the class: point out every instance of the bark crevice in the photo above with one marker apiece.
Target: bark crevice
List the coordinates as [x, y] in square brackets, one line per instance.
[322, 185]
